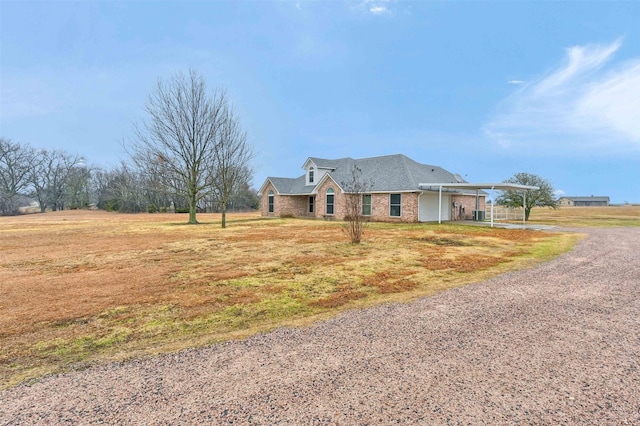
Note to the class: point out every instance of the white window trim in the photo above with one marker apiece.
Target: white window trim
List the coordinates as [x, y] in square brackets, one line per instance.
[333, 204]
[271, 202]
[400, 205]
[370, 205]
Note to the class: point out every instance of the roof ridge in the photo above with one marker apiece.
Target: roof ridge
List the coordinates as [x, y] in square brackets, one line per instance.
[408, 171]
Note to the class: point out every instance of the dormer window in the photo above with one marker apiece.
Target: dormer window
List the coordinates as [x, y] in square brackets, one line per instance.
[311, 175]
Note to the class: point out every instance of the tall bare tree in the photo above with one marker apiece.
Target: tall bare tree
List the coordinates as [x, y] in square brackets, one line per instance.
[179, 139]
[355, 190]
[15, 160]
[231, 160]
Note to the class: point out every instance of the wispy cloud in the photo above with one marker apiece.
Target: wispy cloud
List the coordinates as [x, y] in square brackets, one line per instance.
[377, 10]
[376, 7]
[587, 103]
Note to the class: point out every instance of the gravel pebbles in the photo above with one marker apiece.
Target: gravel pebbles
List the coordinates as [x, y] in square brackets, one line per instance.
[557, 344]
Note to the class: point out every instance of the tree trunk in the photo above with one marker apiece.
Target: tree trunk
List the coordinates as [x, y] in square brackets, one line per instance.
[224, 216]
[192, 209]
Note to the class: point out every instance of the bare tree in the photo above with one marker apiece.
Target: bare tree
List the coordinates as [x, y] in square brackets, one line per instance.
[244, 199]
[41, 164]
[232, 155]
[78, 189]
[15, 160]
[178, 142]
[50, 175]
[124, 190]
[355, 192]
[100, 180]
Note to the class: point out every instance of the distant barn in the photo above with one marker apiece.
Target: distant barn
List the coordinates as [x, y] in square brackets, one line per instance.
[584, 201]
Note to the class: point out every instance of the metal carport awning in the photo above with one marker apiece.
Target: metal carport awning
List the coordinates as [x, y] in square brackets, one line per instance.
[502, 186]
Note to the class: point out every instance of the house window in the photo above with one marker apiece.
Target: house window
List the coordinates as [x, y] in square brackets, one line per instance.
[330, 200]
[366, 204]
[270, 198]
[311, 175]
[395, 202]
[311, 201]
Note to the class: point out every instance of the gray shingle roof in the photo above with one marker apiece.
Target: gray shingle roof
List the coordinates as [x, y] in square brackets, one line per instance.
[323, 163]
[289, 186]
[380, 174]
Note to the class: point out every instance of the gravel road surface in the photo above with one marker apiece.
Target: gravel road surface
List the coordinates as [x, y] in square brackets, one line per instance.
[557, 344]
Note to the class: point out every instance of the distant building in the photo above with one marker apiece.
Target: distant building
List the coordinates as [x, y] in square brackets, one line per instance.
[584, 201]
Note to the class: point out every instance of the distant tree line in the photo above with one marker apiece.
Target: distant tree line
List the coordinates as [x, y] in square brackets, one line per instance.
[191, 155]
[58, 180]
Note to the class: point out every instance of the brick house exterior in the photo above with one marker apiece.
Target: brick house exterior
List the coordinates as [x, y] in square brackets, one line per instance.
[398, 189]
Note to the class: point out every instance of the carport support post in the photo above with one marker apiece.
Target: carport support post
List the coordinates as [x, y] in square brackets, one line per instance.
[524, 208]
[440, 204]
[492, 203]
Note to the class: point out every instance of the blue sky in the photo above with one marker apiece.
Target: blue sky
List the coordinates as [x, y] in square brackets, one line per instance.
[483, 89]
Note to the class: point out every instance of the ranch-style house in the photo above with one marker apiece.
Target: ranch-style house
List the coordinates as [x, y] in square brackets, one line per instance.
[584, 201]
[396, 188]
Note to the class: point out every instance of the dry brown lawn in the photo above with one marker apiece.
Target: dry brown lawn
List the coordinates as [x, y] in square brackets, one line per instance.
[626, 215]
[81, 287]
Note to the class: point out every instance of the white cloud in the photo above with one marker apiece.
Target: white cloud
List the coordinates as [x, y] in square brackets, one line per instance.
[614, 103]
[376, 7]
[515, 81]
[580, 62]
[586, 104]
[377, 10]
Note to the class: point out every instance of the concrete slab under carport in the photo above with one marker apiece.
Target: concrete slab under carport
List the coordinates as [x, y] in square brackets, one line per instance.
[505, 225]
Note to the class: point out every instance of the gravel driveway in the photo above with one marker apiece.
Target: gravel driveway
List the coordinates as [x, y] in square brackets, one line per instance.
[557, 344]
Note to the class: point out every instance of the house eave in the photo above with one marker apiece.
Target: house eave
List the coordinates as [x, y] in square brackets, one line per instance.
[502, 186]
[262, 188]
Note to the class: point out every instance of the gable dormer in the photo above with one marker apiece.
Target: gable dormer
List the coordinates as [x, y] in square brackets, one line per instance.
[311, 172]
[315, 169]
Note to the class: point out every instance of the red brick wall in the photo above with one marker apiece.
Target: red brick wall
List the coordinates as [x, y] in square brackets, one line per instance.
[284, 205]
[264, 201]
[469, 203]
[338, 200]
[408, 208]
[298, 206]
